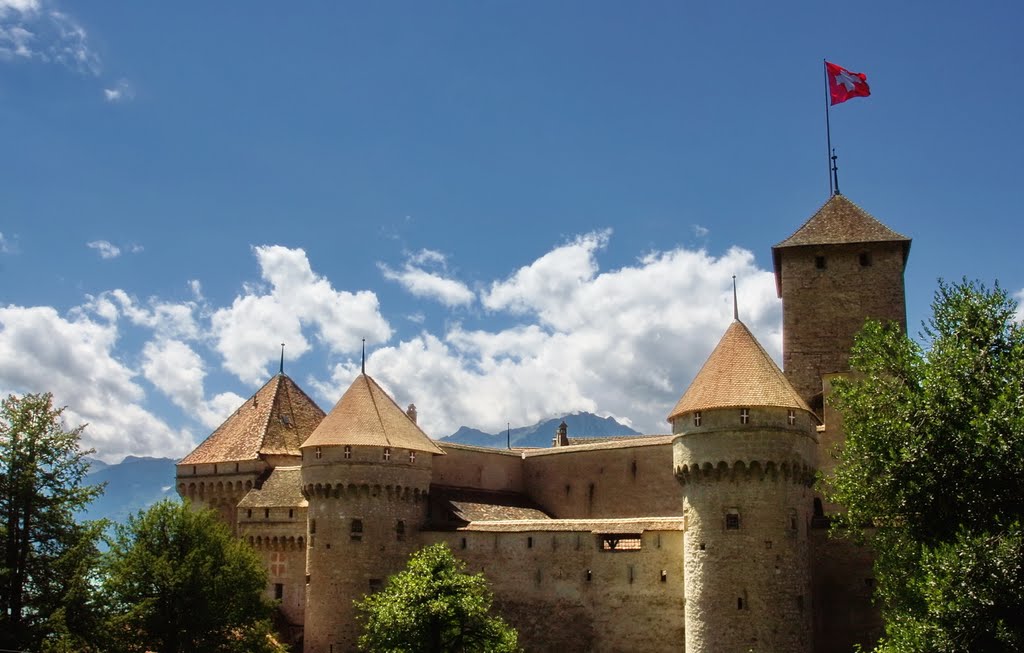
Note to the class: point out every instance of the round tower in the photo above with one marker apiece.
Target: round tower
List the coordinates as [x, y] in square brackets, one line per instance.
[745, 456]
[366, 473]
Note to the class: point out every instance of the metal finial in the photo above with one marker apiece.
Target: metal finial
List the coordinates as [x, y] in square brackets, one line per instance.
[281, 370]
[835, 173]
[735, 303]
[364, 356]
[508, 434]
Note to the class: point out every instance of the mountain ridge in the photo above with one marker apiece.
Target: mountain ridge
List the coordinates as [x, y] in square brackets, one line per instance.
[581, 425]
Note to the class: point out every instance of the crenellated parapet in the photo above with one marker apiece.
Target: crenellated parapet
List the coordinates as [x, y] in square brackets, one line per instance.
[353, 491]
[793, 471]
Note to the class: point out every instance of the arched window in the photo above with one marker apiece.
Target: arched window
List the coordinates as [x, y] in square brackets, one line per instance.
[357, 530]
[400, 530]
[732, 519]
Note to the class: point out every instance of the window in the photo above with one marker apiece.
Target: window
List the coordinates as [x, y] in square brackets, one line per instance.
[732, 520]
[791, 417]
[357, 530]
[631, 574]
[590, 575]
[463, 543]
[318, 452]
[767, 544]
[248, 513]
[819, 262]
[744, 416]
[696, 418]
[620, 542]
[865, 259]
[278, 591]
[664, 575]
[376, 585]
[793, 520]
[236, 467]
[312, 526]
[387, 453]
[348, 452]
[739, 602]
[286, 420]
[412, 457]
[400, 530]
[291, 513]
[529, 543]
[266, 513]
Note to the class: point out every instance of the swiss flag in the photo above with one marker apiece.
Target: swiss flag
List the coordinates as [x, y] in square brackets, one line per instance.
[843, 85]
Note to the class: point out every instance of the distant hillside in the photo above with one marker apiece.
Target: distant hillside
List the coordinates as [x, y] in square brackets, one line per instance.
[133, 484]
[581, 425]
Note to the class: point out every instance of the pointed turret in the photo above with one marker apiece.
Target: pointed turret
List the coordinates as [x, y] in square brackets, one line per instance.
[273, 422]
[739, 373]
[366, 416]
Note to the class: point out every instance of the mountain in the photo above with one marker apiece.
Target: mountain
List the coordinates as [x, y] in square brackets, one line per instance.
[132, 484]
[581, 425]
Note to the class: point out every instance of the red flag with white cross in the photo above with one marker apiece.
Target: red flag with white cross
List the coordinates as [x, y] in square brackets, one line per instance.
[843, 84]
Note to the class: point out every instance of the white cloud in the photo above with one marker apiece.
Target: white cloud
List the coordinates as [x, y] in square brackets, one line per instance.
[623, 342]
[30, 30]
[6, 246]
[74, 359]
[248, 332]
[699, 231]
[178, 372]
[420, 281]
[1019, 296]
[122, 91]
[105, 248]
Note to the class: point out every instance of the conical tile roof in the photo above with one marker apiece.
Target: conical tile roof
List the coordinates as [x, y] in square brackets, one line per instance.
[739, 373]
[274, 421]
[365, 415]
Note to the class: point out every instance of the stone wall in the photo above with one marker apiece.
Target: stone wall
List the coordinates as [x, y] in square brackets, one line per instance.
[616, 479]
[278, 535]
[480, 468]
[824, 307]
[563, 592]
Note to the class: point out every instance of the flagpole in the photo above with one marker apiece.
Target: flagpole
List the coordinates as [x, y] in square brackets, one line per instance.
[828, 133]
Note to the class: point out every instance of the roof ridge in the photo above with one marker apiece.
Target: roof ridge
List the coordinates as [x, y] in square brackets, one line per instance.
[265, 426]
[376, 408]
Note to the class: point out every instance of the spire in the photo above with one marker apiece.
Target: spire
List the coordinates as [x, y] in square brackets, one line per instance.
[363, 364]
[281, 369]
[735, 303]
[835, 174]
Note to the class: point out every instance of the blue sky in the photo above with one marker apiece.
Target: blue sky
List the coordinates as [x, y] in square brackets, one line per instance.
[525, 208]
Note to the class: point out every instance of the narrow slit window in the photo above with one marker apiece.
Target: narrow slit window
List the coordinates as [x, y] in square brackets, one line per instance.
[387, 453]
[697, 418]
[732, 520]
[529, 543]
[664, 575]
[400, 531]
[744, 416]
[865, 259]
[348, 452]
[412, 456]
[819, 262]
[318, 452]
[357, 530]
[791, 417]
[278, 591]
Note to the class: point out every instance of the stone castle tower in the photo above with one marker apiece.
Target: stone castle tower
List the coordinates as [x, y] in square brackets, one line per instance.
[708, 539]
[745, 457]
[366, 473]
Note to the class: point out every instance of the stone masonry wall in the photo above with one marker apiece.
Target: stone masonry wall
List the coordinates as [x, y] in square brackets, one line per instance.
[823, 308]
[626, 481]
[479, 468]
[563, 593]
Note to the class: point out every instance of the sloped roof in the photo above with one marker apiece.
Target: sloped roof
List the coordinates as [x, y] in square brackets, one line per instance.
[281, 489]
[365, 415]
[274, 421]
[739, 373]
[469, 505]
[838, 222]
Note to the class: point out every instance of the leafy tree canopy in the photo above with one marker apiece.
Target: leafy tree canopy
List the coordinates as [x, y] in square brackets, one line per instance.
[434, 607]
[41, 488]
[177, 581]
[933, 461]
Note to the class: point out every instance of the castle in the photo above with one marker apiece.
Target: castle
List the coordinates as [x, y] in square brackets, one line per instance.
[707, 539]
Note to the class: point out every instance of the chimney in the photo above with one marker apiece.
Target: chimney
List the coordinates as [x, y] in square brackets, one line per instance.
[561, 438]
[411, 412]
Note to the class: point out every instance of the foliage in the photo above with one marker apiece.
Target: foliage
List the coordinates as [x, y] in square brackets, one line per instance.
[177, 581]
[433, 607]
[932, 460]
[41, 488]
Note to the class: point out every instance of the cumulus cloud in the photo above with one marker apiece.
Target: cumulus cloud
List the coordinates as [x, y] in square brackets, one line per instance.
[424, 274]
[297, 301]
[178, 372]
[1019, 296]
[623, 342]
[40, 350]
[34, 30]
[105, 248]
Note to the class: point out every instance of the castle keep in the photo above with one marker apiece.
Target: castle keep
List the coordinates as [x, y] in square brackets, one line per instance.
[706, 539]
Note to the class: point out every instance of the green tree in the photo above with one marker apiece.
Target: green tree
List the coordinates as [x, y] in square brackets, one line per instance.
[42, 470]
[177, 581]
[932, 461]
[433, 607]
